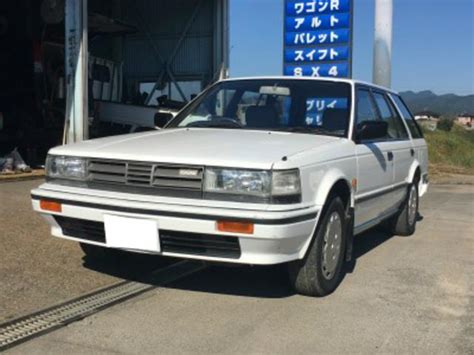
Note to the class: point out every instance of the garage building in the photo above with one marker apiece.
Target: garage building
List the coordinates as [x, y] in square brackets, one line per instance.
[72, 70]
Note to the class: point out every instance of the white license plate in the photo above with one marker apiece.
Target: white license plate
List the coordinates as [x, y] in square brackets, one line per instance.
[131, 233]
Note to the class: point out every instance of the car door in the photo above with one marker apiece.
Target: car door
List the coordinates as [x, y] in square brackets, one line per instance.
[374, 166]
[398, 146]
[417, 141]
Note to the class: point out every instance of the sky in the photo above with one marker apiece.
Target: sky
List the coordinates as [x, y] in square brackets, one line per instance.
[433, 42]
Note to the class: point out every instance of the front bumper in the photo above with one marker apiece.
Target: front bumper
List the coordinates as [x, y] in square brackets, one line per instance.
[279, 236]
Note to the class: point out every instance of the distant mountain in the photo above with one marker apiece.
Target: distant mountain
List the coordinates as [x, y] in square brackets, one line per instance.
[448, 105]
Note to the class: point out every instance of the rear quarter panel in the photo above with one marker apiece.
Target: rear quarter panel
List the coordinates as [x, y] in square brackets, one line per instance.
[421, 154]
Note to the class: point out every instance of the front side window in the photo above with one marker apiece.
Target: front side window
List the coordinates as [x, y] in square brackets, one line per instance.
[396, 129]
[300, 106]
[408, 117]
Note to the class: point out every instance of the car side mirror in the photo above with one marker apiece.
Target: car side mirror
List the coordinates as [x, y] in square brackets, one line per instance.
[162, 118]
[371, 130]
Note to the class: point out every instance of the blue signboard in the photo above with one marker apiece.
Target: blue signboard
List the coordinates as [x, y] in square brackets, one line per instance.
[318, 38]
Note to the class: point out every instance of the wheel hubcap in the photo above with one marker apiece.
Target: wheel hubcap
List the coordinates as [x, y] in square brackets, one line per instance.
[412, 205]
[332, 245]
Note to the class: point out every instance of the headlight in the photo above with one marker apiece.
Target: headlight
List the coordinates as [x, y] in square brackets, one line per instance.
[286, 183]
[253, 185]
[61, 167]
[246, 182]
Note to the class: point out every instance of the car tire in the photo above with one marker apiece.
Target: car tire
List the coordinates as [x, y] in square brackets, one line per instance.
[321, 270]
[96, 252]
[404, 222]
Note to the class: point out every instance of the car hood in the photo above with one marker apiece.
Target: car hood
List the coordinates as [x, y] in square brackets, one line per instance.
[199, 146]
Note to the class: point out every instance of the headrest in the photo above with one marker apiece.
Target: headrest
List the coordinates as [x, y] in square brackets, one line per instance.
[261, 117]
[335, 119]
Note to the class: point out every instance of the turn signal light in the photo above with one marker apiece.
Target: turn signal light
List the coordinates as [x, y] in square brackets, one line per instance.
[235, 227]
[50, 206]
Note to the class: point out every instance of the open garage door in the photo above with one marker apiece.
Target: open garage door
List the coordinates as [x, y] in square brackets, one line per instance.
[72, 65]
[158, 55]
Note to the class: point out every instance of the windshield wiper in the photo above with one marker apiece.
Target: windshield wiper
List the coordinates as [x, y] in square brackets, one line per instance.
[222, 122]
[314, 130]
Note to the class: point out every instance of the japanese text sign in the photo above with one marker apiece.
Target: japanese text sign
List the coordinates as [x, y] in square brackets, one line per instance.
[317, 38]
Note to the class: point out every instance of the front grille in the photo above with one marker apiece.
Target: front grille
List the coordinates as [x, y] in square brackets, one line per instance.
[158, 178]
[171, 241]
[139, 174]
[108, 171]
[200, 244]
[177, 177]
[82, 229]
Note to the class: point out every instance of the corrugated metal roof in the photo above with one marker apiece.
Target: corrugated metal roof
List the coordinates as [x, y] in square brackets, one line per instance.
[165, 22]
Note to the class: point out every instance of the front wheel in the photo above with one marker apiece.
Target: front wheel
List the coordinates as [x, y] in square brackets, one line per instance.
[321, 271]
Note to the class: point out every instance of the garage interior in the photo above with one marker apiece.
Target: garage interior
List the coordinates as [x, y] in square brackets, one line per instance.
[73, 70]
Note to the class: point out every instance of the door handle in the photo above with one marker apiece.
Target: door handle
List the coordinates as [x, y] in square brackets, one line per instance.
[390, 156]
[412, 152]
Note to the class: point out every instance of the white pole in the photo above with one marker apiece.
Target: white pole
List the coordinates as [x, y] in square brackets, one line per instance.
[77, 111]
[382, 67]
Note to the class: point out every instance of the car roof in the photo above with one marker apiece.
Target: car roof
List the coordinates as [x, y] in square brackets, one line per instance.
[340, 80]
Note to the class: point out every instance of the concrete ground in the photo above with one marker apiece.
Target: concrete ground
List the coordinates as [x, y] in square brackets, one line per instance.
[37, 270]
[405, 295]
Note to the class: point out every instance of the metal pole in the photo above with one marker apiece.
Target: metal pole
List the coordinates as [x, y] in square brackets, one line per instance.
[77, 111]
[226, 39]
[382, 67]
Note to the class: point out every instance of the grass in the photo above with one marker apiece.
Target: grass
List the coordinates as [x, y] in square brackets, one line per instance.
[451, 152]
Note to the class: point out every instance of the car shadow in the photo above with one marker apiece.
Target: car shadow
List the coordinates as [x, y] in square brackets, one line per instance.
[238, 280]
[127, 266]
[365, 243]
[246, 281]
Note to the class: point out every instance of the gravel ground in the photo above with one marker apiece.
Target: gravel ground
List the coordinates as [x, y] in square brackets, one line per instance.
[37, 270]
[405, 295]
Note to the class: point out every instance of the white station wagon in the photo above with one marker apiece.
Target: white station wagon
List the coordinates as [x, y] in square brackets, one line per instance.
[253, 171]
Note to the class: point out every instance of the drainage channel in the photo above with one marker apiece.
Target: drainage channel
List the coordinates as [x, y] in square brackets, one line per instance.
[25, 328]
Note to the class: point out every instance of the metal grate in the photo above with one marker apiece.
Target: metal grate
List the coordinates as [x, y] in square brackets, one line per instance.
[17, 331]
[160, 177]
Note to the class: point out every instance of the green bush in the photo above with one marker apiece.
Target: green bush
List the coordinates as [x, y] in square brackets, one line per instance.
[454, 148]
[445, 124]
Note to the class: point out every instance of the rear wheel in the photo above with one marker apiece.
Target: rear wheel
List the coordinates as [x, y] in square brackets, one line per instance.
[321, 271]
[404, 223]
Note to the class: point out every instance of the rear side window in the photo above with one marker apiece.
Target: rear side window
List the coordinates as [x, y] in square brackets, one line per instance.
[365, 108]
[396, 128]
[407, 116]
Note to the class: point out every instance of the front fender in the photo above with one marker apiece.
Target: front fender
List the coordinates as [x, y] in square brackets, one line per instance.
[321, 183]
[327, 182]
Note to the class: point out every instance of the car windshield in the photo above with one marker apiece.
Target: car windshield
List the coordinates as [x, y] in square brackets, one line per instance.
[300, 106]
